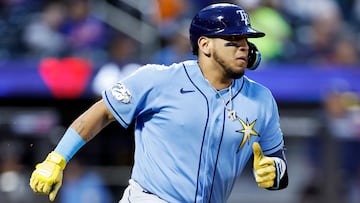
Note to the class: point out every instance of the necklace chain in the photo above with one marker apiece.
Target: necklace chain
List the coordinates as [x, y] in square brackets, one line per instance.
[230, 111]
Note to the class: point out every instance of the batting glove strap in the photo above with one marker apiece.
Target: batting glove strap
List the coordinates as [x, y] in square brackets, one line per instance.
[280, 167]
[57, 159]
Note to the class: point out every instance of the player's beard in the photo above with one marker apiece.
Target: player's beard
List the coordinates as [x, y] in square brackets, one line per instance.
[227, 69]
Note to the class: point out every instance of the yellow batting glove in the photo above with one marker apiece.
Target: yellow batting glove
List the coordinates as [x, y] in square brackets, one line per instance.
[264, 168]
[47, 176]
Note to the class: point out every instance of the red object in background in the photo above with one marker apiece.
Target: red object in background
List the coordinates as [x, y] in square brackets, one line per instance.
[66, 78]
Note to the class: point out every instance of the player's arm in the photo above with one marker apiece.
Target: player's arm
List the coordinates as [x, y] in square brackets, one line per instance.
[270, 171]
[47, 176]
[92, 121]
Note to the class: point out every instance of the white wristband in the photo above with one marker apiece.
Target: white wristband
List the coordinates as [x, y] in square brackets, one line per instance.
[281, 164]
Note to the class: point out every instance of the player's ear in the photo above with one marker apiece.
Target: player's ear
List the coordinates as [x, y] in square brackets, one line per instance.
[254, 56]
[204, 45]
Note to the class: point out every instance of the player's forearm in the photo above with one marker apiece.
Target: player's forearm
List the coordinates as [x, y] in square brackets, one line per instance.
[83, 129]
[91, 122]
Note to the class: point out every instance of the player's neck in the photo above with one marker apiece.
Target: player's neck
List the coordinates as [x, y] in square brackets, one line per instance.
[217, 84]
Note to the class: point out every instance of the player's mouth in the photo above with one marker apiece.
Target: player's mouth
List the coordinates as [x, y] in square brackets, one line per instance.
[242, 60]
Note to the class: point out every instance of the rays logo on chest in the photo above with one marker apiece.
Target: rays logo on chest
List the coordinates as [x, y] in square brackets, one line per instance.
[248, 131]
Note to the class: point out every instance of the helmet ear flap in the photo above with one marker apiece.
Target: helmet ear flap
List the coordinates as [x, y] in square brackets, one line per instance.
[254, 57]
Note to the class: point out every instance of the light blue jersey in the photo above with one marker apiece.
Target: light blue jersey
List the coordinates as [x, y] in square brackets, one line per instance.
[187, 149]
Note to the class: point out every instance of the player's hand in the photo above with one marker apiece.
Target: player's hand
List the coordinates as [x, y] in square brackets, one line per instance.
[48, 175]
[264, 168]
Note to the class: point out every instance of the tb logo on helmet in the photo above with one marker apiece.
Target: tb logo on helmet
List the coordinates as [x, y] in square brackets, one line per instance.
[244, 16]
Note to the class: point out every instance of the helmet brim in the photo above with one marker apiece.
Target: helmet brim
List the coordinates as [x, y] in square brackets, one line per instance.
[248, 32]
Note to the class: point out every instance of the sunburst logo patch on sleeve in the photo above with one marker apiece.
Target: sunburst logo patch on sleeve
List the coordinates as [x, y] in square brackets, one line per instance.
[121, 93]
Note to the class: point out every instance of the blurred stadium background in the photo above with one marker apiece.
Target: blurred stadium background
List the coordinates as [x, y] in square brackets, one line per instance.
[57, 55]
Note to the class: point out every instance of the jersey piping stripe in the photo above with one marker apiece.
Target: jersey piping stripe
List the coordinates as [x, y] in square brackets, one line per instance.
[238, 92]
[273, 147]
[222, 135]
[127, 124]
[204, 132]
[217, 156]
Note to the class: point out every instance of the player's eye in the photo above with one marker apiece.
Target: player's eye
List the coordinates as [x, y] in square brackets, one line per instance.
[232, 44]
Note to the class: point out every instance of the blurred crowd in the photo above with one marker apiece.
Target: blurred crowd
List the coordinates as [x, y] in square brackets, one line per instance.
[332, 151]
[323, 32]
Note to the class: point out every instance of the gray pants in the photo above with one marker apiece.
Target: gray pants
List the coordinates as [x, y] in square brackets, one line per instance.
[134, 193]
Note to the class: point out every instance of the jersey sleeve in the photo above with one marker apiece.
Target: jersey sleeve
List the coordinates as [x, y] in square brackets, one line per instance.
[272, 137]
[131, 96]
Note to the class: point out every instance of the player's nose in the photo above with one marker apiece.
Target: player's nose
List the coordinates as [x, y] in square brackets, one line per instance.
[243, 49]
[243, 45]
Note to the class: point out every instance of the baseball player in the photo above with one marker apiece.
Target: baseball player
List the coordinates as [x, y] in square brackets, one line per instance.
[197, 122]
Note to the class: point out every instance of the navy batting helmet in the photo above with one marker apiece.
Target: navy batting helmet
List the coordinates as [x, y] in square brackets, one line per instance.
[222, 19]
